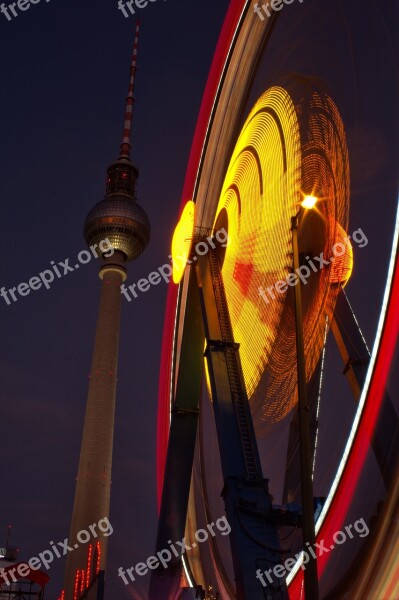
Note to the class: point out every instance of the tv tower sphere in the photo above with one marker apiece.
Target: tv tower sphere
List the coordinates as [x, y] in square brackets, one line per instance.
[119, 218]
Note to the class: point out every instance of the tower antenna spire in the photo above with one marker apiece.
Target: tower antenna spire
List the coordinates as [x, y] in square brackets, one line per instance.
[127, 128]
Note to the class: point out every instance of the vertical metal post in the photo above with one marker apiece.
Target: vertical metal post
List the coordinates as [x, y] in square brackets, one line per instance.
[308, 528]
[100, 585]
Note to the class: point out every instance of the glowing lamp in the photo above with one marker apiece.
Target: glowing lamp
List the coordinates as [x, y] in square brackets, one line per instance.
[182, 240]
[309, 202]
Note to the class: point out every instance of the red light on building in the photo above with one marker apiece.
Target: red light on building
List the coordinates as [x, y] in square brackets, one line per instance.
[88, 569]
[98, 548]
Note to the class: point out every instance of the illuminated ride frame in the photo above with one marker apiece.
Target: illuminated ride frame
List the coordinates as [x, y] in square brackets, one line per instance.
[228, 308]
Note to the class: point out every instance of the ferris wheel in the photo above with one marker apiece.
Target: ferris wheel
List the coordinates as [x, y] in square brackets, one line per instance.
[290, 160]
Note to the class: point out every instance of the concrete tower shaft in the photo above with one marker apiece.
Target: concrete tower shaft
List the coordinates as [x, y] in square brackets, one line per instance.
[93, 486]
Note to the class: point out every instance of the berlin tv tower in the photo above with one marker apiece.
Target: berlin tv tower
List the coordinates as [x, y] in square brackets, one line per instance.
[119, 219]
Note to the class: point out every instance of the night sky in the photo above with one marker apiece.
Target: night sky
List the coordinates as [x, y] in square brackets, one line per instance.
[64, 78]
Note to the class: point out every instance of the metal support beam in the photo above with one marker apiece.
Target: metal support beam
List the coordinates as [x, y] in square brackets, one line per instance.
[308, 528]
[356, 358]
[254, 537]
[181, 445]
[292, 480]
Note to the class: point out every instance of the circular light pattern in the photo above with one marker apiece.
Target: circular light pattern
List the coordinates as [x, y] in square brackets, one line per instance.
[182, 241]
[284, 153]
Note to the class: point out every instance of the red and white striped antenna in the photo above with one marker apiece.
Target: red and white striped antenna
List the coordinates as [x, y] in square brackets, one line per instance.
[127, 128]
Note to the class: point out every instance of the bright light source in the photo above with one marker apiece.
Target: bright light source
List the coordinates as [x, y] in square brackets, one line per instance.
[309, 201]
[182, 241]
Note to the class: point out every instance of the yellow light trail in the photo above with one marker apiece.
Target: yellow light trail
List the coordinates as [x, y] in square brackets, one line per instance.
[283, 154]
